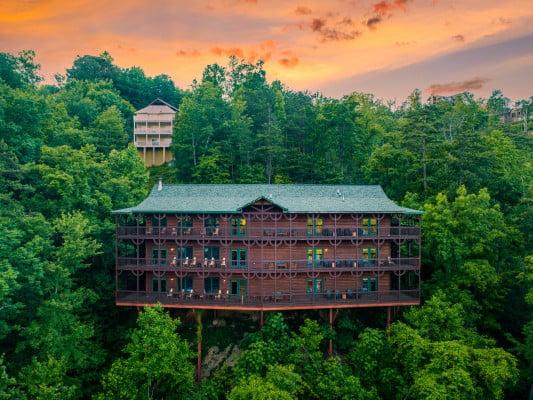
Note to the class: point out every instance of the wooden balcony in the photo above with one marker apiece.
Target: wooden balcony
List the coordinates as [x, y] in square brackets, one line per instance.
[131, 232]
[271, 301]
[153, 143]
[267, 266]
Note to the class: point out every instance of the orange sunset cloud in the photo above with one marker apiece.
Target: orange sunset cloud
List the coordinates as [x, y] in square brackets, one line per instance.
[336, 47]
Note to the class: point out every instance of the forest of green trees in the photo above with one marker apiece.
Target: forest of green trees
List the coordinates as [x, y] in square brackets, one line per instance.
[66, 163]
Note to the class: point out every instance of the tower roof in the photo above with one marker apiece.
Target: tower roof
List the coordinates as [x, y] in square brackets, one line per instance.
[157, 106]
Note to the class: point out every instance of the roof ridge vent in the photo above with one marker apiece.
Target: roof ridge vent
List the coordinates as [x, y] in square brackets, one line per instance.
[160, 185]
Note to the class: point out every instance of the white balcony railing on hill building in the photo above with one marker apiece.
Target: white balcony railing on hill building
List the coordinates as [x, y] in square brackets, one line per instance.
[153, 143]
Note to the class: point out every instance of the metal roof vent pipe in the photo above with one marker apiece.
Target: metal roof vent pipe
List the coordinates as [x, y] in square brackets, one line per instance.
[160, 185]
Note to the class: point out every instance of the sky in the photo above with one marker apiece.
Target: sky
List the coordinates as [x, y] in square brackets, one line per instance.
[384, 47]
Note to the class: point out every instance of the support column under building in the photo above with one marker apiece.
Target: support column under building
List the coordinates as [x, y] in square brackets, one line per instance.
[199, 332]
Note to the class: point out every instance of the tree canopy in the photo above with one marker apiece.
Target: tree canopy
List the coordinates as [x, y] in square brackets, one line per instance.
[66, 162]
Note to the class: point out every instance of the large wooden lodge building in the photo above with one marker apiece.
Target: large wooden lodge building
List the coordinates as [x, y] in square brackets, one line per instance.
[267, 247]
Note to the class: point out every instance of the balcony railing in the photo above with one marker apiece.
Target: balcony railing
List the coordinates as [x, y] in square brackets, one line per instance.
[275, 299]
[342, 264]
[266, 233]
[153, 143]
[153, 131]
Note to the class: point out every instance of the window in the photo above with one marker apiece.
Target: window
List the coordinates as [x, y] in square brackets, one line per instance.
[159, 285]
[238, 287]
[211, 222]
[315, 257]
[314, 285]
[127, 281]
[184, 252]
[159, 221]
[369, 257]
[238, 258]
[211, 284]
[211, 225]
[159, 256]
[369, 227]
[370, 284]
[184, 223]
[159, 225]
[212, 252]
[369, 253]
[314, 226]
[238, 226]
[186, 284]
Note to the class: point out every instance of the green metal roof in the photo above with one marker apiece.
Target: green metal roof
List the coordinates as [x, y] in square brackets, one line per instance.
[230, 198]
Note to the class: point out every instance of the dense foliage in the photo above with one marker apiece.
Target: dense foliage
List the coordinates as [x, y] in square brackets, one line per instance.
[65, 163]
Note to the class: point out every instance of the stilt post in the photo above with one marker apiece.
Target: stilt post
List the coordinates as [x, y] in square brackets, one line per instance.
[199, 333]
[389, 317]
[261, 319]
[330, 344]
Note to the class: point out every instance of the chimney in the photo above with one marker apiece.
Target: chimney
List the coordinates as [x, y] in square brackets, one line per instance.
[160, 184]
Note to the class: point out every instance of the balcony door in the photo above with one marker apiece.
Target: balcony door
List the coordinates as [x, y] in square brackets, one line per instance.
[159, 225]
[370, 227]
[211, 285]
[238, 287]
[238, 258]
[238, 226]
[183, 253]
[159, 285]
[211, 252]
[159, 256]
[370, 255]
[314, 286]
[314, 226]
[315, 257]
[370, 284]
